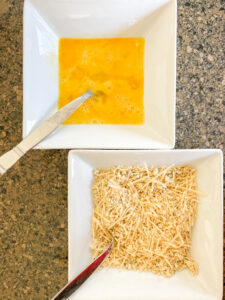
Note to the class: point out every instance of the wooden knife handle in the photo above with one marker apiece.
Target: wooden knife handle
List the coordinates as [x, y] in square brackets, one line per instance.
[8, 159]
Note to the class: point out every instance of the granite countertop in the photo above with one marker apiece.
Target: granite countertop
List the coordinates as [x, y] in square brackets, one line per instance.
[33, 204]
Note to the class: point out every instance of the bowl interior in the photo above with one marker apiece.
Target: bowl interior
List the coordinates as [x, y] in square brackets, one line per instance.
[47, 21]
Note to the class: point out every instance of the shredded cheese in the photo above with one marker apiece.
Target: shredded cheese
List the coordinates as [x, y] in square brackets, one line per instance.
[149, 213]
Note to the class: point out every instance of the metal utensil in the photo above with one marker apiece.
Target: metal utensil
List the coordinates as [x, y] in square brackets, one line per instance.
[72, 286]
[8, 159]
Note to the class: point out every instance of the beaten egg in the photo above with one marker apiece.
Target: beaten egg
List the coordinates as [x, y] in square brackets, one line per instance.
[113, 68]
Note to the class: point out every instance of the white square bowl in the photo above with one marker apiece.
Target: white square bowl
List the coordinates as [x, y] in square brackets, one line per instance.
[207, 238]
[45, 22]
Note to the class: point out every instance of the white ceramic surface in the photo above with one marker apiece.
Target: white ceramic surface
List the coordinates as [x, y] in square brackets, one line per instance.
[47, 21]
[207, 239]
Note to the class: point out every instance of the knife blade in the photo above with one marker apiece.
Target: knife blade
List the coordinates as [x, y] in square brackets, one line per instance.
[8, 159]
[72, 286]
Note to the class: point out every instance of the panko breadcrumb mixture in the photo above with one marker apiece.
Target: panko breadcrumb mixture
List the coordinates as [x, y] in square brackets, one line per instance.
[149, 213]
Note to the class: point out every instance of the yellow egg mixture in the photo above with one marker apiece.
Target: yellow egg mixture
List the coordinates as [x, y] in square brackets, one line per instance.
[113, 69]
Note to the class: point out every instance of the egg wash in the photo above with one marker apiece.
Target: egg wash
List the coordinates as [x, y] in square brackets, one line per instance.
[113, 68]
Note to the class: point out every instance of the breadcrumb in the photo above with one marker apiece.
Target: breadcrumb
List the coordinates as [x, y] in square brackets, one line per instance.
[149, 213]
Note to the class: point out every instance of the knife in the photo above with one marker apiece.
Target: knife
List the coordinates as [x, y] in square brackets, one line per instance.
[72, 286]
[8, 159]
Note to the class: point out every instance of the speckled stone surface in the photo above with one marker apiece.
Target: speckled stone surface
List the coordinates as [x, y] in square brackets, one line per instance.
[33, 194]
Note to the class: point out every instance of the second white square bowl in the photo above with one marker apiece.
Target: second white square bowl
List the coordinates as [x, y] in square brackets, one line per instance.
[207, 238]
